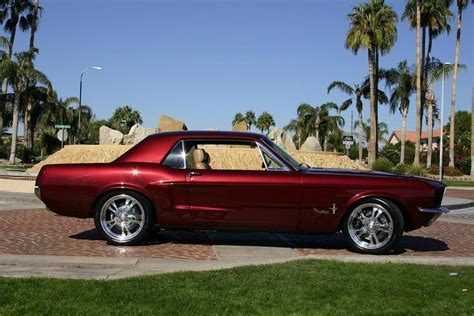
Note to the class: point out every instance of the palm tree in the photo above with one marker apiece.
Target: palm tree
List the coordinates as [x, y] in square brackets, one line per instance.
[356, 93]
[461, 5]
[402, 79]
[250, 119]
[264, 122]
[124, 118]
[238, 117]
[18, 72]
[422, 15]
[4, 43]
[381, 126]
[317, 121]
[374, 27]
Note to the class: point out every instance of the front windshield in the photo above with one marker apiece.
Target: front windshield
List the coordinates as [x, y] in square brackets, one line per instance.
[282, 153]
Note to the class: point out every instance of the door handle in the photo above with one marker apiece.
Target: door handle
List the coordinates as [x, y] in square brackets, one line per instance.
[194, 173]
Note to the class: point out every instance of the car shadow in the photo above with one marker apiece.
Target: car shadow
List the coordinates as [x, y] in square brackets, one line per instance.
[330, 241]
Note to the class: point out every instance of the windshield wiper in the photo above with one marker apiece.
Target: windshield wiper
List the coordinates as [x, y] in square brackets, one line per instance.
[304, 165]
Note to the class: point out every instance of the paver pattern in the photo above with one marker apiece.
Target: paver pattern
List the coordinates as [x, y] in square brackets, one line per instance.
[40, 232]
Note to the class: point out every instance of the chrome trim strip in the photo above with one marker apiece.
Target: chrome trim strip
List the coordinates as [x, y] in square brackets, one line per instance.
[263, 150]
[441, 210]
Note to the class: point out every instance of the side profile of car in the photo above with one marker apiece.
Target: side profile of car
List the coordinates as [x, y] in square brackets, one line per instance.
[184, 180]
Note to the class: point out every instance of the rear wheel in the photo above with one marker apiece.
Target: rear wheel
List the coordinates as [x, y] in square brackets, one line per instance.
[373, 227]
[123, 217]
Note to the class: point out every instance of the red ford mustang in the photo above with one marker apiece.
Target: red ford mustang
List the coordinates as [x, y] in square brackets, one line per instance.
[183, 180]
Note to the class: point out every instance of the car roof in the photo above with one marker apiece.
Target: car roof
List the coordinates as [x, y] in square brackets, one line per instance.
[208, 134]
[155, 147]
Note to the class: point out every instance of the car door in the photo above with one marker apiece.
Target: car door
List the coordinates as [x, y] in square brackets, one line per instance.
[268, 197]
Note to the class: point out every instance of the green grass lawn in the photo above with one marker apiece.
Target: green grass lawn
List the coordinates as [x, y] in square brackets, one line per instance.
[15, 167]
[300, 287]
[458, 183]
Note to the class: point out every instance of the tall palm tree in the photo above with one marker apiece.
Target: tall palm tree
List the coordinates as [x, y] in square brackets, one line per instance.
[402, 82]
[356, 93]
[461, 5]
[4, 43]
[123, 118]
[250, 119]
[264, 122]
[19, 72]
[12, 14]
[374, 27]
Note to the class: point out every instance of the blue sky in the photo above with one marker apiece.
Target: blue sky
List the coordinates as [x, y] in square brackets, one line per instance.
[202, 61]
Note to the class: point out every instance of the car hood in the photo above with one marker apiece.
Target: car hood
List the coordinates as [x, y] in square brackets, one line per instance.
[369, 173]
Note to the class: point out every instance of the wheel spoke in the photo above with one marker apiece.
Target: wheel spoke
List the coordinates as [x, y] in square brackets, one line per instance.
[111, 223]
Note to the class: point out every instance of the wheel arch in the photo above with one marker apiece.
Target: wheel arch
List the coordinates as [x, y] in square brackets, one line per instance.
[122, 188]
[358, 200]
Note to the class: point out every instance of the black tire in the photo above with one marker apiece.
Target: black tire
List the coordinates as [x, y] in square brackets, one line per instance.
[387, 227]
[124, 217]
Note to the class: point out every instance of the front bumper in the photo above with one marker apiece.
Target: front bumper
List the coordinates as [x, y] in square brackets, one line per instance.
[437, 212]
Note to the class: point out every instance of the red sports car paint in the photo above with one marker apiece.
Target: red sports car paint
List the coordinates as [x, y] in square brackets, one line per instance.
[311, 200]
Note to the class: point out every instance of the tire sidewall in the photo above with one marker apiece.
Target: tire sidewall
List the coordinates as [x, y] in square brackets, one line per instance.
[398, 227]
[148, 214]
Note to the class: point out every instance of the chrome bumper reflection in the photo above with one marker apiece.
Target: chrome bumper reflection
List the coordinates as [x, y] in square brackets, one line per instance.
[440, 210]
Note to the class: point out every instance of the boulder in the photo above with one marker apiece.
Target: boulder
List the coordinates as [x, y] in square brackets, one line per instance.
[166, 124]
[240, 127]
[311, 144]
[109, 136]
[137, 134]
[280, 137]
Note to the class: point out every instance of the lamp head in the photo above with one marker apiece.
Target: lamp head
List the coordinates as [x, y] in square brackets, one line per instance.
[97, 68]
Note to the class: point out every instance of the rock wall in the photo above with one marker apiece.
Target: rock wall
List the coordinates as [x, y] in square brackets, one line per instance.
[220, 157]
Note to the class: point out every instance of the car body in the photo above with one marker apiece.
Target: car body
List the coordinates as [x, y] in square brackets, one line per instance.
[167, 179]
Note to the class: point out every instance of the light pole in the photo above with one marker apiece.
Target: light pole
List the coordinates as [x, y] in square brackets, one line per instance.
[80, 101]
[442, 126]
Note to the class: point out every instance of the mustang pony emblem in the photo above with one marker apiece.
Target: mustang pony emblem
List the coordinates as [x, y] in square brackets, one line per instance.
[332, 210]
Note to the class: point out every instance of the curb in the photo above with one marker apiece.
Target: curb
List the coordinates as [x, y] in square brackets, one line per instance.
[459, 206]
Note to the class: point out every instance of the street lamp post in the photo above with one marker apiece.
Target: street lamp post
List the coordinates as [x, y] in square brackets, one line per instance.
[442, 127]
[80, 101]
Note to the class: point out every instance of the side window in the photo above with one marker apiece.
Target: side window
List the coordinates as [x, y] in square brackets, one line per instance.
[270, 162]
[175, 158]
[223, 155]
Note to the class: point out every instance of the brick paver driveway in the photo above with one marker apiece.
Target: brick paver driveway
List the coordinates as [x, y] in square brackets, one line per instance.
[40, 232]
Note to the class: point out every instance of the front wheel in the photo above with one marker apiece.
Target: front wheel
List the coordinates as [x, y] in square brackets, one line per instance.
[123, 217]
[373, 227]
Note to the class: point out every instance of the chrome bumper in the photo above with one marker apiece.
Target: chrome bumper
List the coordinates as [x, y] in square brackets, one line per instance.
[38, 193]
[440, 210]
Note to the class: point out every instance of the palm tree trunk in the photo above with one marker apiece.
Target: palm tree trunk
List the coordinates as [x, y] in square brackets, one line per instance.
[453, 92]
[376, 97]
[33, 25]
[361, 135]
[1, 126]
[10, 53]
[404, 134]
[16, 112]
[416, 161]
[430, 136]
[373, 104]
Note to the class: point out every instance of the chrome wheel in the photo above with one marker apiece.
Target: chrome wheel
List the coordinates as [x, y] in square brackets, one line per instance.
[370, 226]
[122, 218]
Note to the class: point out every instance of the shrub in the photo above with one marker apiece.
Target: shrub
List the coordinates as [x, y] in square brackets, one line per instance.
[417, 170]
[382, 164]
[452, 172]
[401, 168]
[391, 152]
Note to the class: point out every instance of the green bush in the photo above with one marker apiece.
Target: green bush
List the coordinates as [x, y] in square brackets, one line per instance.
[382, 164]
[452, 172]
[401, 168]
[391, 152]
[417, 171]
